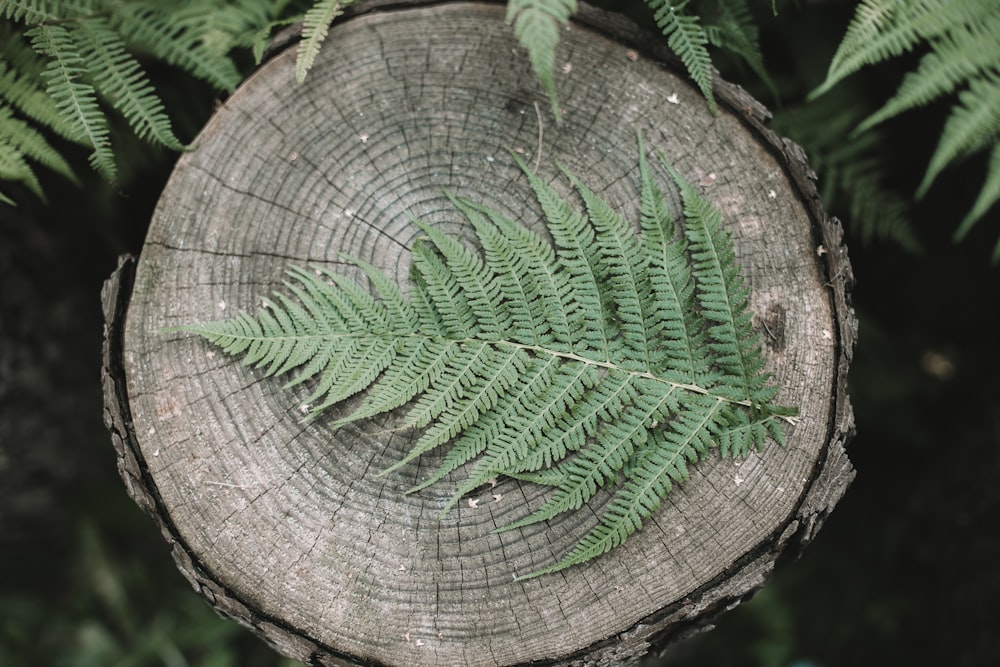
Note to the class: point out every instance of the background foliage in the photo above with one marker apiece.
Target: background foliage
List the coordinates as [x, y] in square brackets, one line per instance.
[904, 571]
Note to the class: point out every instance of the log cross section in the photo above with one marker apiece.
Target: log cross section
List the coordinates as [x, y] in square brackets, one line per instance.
[288, 526]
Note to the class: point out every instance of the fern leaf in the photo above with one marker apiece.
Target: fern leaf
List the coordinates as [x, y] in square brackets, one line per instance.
[670, 308]
[15, 169]
[974, 123]
[536, 25]
[74, 98]
[20, 84]
[686, 37]
[146, 24]
[882, 29]
[736, 31]
[554, 364]
[21, 137]
[723, 297]
[987, 198]
[574, 238]
[956, 58]
[653, 477]
[33, 12]
[118, 77]
[315, 25]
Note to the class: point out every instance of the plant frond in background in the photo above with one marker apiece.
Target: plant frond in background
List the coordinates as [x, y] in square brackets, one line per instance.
[735, 30]
[315, 25]
[726, 24]
[65, 64]
[536, 25]
[74, 98]
[602, 360]
[963, 52]
[687, 38]
[852, 169]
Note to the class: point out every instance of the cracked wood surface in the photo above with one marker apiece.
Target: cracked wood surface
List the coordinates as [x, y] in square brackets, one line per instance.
[289, 527]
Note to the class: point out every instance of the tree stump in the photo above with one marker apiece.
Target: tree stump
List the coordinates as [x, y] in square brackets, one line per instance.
[287, 526]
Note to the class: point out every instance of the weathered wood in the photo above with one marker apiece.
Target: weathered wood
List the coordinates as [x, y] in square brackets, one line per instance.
[288, 527]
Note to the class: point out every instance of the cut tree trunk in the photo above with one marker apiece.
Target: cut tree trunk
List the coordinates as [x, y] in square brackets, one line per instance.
[290, 527]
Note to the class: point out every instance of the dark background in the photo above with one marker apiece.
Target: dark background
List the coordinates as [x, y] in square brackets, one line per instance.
[905, 572]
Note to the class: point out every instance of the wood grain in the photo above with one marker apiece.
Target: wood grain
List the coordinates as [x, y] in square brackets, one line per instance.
[290, 527]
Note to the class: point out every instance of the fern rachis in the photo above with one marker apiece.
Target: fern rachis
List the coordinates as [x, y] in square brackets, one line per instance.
[602, 361]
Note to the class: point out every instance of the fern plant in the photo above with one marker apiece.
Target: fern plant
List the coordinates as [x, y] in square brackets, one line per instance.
[69, 61]
[689, 33]
[64, 64]
[961, 59]
[602, 360]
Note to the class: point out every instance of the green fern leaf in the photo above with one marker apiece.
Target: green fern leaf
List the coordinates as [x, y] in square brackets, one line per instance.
[40, 11]
[963, 53]
[21, 137]
[315, 25]
[882, 29]
[120, 79]
[956, 57]
[536, 25]
[74, 98]
[988, 196]
[974, 123]
[599, 361]
[687, 38]
[20, 84]
[149, 26]
[15, 169]
[735, 30]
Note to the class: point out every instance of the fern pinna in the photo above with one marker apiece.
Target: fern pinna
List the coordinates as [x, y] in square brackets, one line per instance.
[603, 360]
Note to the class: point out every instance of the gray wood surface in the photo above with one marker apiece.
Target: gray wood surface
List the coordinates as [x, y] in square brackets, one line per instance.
[289, 527]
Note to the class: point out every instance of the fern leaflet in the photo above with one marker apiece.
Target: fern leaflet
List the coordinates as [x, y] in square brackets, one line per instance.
[600, 361]
[536, 25]
[315, 25]
[74, 98]
[119, 78]
[686, 37]
[961, 35]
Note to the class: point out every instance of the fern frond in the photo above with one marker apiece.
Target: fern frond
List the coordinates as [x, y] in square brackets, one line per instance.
[735, 30]
[33, 12]
[686, 37]
[853, 173]
[974, 123]
[883, 29]
[223, 25]
[15, 169]
[20, 86]
[119, 78]
[21, 137]
[955, 58]
[315, 25]
[536, 25]
[149, 26]
[722, 296]
[555, 364]
[987, 198]
[671, 311]
[74, 98]
[963, 54]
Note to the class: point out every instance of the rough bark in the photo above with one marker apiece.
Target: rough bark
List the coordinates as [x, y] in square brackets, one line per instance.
[288, 527]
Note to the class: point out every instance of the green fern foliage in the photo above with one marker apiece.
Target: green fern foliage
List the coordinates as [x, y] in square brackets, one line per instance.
[604, 361]
[315, 25]
[687, 38]
[853, 169]
[536, 25]
[67, 65]
[727, 24]
[962, 52]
